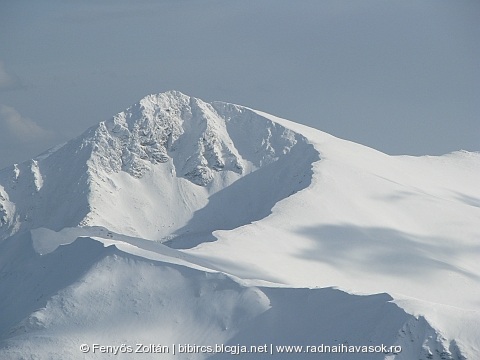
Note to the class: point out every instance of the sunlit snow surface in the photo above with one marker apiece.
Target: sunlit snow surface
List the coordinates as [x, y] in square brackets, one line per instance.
[183, 222]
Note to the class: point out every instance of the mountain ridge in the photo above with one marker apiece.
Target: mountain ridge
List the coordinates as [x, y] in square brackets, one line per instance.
[267, 206]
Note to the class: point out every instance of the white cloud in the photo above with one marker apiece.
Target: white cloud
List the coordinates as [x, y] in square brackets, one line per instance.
[8, 81]
[21, 128]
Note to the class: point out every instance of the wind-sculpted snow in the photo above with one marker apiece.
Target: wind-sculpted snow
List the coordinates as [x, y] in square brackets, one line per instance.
[112, 296]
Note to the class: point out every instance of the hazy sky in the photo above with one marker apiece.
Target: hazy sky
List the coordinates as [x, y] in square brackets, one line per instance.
[399, 76]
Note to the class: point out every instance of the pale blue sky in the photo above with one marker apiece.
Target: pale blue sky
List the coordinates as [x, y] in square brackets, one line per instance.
[399, 76]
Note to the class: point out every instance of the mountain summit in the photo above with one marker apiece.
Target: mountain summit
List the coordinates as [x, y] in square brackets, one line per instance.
[184, 222]
[149, 169]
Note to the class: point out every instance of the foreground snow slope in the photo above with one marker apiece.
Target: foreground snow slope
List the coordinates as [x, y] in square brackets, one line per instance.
[275, 205]
[111, 289]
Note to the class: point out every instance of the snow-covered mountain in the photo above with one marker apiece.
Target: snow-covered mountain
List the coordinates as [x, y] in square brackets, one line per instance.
[184, 222]
[149, 169]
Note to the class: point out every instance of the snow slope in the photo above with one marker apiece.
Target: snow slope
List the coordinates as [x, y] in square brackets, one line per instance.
[184, 222]
[111, 289]
[372, 223]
